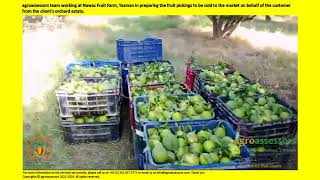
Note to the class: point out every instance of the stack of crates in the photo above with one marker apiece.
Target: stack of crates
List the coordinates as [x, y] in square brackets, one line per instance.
[89, 101]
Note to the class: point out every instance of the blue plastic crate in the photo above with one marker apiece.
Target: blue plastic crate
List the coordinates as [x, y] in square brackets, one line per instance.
[130, 51]
[240, 163]
[124, 73]
[138, 146]
[139, 124]
[96, 63]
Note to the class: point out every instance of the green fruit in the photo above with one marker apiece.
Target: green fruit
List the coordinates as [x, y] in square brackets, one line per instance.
[171, 157]
[182, 142]
[152, 143]
[163, 99]
[214, 157]
[190, 159]
[158, 109]
[79, 120]
[262, 101]
[159, 154]
[209, 146]
[203, 135]
[152, 131]
[72, 119]
[179, 133]
[239, 112]
[227, 140]
[205, 158]
[231, 104]
[284, 115]
[132, 76]
[183, 106]
[206, 115]
[196, 99]
[232, 95]
[198, 108]
[192, 137]
[220, 132]
[90, 120]
[177, 116]
[103, 118]
[234, 150]
[155, 137]
[225, 160]
[180, 152]
[190, 112]
[196, 148]
[170, 142]
[152, 116]
[163, 132]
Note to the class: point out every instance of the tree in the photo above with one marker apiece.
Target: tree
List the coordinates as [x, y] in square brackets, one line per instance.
[223, 26]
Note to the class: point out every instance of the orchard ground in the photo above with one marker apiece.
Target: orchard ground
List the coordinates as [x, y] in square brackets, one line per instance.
[263, 51]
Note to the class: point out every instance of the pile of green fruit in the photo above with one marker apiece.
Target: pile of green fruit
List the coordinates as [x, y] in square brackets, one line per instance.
[151, 67]
[86, 72]
[151, 78]
[81, 86]
[88, 119]
[258, 109]
[190, 148]
[172, 107]
[163, 89]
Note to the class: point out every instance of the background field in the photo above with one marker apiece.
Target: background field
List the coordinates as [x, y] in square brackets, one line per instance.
[263, 51]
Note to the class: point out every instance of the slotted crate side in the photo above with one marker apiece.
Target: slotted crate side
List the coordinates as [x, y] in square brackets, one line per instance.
[138, 146]
[241, 163]
[88, 104]
[130, 51]
[93, 132]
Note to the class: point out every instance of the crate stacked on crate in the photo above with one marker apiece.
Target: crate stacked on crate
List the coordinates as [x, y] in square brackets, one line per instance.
[137, 51]
[250, 108]
[194, 145]
[89, 101]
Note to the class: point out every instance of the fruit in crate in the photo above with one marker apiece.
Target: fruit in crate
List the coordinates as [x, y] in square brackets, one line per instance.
[173, 107]
[258, 109]
[81, 86]
[150, 67]
[86, 72]
[157, 90]
[151, 78]
[184, 146]
[88, 119]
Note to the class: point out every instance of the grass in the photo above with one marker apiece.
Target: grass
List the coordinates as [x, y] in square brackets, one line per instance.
[274, 68]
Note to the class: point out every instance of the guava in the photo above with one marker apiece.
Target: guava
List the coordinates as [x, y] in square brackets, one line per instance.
[231, 104]
[214, 157]
[198, 108]
[206, 115]
[284, 115]
[152, 116]
[239, 112]
[225, 160]
[262, 101]
[220, 132]
[209, 146]
[159, 154]
[205, 158]
[190, 159]
[177, 116]
[103, 118]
